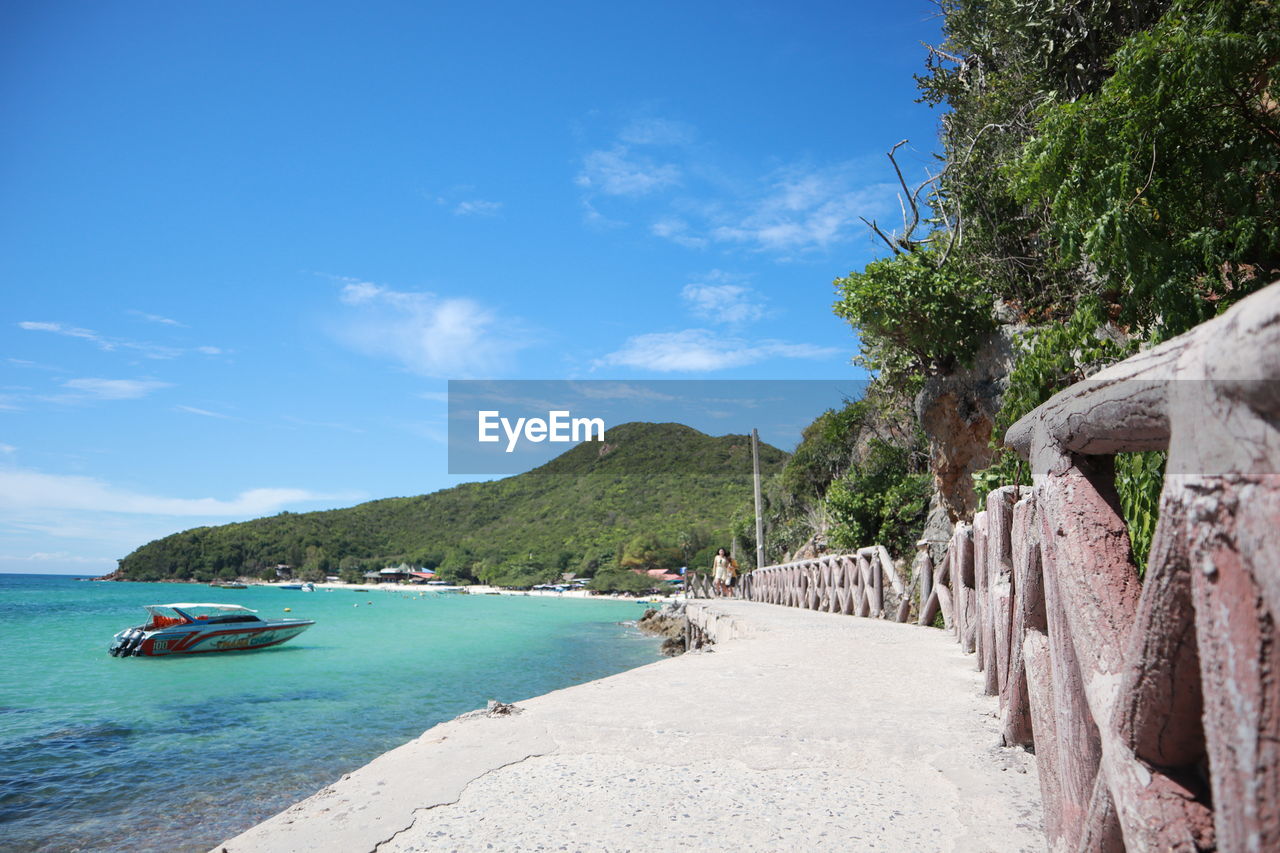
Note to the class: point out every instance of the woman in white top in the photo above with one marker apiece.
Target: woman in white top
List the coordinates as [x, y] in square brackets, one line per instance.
[720, 568]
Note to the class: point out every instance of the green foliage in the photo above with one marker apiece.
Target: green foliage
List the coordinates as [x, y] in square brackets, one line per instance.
[1167, 178]
[1139, 479]
[913, 315]
[619, 580]
[1056, 356]
[882, 501]
[663, 480]
[1053, 358]
[1113, 171]
[518, 575]
[999, 60]
[743, 528]
[1050, 359]
[823, 452]
[835, 442]
[645, 551]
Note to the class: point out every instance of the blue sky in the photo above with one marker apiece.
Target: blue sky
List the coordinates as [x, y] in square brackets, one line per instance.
[244, 245]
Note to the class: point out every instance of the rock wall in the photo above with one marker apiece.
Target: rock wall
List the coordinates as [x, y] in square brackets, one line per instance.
[957, 412]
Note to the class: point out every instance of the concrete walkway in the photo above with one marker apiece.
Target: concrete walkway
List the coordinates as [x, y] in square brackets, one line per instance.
[797, 730]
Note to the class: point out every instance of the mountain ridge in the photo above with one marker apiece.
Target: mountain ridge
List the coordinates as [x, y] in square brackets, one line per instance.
[576, 512]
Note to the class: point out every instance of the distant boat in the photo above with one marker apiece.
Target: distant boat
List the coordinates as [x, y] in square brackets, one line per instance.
[288, 586]
[228, 585]
[308, 587]
[176, 629]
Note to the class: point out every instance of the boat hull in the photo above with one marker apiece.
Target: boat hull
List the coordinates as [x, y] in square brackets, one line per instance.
[199, 639]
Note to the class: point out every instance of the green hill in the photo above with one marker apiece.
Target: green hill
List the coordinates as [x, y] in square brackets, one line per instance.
[656, 487]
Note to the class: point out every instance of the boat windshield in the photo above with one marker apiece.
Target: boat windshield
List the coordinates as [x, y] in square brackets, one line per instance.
[165, 615]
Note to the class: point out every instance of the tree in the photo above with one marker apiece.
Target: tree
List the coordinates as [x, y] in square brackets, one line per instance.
[620, 580]
[882, 501]
[646, 552]
[1166, 177]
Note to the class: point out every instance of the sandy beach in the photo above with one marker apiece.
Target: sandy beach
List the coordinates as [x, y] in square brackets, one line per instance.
[477, 589]
[798, 730]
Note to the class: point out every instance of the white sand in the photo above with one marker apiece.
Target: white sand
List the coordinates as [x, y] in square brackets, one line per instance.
[806, 731]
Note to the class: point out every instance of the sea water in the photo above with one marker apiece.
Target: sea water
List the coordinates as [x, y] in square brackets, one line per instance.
[178, 753]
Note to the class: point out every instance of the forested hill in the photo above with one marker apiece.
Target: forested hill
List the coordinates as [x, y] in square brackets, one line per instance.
[656, 487]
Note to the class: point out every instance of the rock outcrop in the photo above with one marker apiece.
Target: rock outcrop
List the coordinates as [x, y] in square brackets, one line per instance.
[670, 623]
[957, 412]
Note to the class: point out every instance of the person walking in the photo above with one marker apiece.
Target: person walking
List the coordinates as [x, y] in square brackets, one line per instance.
[720, 568]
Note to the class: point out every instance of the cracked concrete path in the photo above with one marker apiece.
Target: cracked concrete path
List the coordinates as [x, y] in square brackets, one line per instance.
[798, 730]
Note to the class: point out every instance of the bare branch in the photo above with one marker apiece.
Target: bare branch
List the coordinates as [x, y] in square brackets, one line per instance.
[1150, 173]
[907, 228]
[955, 236]
[942, 53]
[885, 237]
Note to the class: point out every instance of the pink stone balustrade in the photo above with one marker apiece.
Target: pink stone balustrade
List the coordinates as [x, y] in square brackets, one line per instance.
[1151, 698]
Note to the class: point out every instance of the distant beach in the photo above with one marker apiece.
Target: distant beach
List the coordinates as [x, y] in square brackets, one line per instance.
[474, 589]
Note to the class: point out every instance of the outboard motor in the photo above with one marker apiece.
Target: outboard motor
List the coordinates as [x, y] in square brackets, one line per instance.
[127, 642]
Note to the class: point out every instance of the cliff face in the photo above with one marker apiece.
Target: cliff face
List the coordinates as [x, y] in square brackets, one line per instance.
[957, 413]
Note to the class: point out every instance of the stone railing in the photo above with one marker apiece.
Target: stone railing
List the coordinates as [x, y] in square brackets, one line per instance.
[861, 584]
[1152, 701]
[699, 585]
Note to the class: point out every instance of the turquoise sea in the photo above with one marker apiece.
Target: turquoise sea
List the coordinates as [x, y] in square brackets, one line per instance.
[179, 753]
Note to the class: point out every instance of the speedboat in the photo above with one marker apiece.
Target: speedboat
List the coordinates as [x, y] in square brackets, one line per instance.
[179, 629]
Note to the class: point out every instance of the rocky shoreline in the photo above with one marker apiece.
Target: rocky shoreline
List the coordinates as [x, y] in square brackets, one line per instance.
[669, 622]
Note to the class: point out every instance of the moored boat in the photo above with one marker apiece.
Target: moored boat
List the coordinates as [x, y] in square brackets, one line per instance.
[200, 628]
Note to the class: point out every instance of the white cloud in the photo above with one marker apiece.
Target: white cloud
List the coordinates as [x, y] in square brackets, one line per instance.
[69, 331]
[655, 167]
[715, 298]
[210, 350]
[33, 365]
[113, 389]
[704, 350]
[108, 344]
[8, 448]
[619, 171]
[802, 209]
[593, 217]
[678, 231]
[450, 337]
[28, 490]
[156, 318]
[657, 131]
[478, 207]
[598, 390]
[359, 292]
[205, 412]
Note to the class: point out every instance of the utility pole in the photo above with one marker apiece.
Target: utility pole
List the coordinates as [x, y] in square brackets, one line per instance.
[755, 465]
